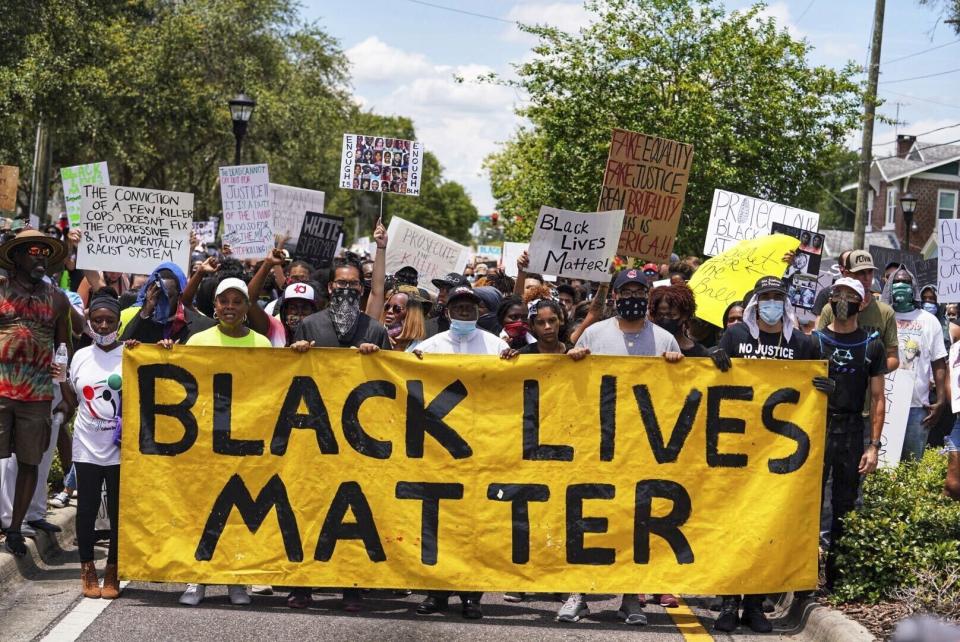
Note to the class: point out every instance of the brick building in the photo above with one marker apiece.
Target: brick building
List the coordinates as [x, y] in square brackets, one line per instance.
[931, 172]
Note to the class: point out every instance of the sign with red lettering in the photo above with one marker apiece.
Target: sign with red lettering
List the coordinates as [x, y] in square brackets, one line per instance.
[646, 176]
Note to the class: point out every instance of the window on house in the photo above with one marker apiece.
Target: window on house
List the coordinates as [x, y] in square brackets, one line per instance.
[947, 203]
[891, 220]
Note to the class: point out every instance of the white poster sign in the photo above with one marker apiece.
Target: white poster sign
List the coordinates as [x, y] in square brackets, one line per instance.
[247, 216]
[735, 217]
[74, 178]
[948, 267]
[381, 164]
[898, 391]
[129, 229]
[508, 262]
[206, 231]
[575, 245]
[430, 254]
[290, 205]
[954, 361]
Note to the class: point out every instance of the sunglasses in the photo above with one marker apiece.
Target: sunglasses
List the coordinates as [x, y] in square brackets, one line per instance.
[39, 250]
[395, 308]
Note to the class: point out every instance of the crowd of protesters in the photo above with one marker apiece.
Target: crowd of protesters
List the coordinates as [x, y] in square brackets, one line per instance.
[869, 323]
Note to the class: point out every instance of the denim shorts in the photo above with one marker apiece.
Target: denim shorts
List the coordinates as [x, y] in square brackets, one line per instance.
[952, 441]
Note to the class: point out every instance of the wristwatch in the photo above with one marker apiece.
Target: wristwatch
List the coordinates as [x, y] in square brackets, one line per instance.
[875, 443]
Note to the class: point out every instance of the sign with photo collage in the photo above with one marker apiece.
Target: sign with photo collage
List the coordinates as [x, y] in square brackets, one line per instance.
[803, 272]
[380, 164]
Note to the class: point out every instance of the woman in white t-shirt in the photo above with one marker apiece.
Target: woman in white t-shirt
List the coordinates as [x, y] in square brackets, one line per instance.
[95, 378]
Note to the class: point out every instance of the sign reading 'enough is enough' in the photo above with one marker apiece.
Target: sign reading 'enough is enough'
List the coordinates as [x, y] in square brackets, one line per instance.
[612, 474]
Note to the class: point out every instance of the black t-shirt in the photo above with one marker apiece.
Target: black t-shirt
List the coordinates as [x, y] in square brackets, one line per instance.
[738, 343]
[854, 358]
[534, 348]
[696, 350]
[319, 328]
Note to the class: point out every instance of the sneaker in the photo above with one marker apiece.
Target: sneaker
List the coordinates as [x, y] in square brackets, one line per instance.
[60, 500]
[513, 597]
[753, 616]
[261, 589]
[631, 612]
[300, 598]
[15, 544]
[728, 621]
[573, 609]
[238, 595]
[669, 601]
[193, 595]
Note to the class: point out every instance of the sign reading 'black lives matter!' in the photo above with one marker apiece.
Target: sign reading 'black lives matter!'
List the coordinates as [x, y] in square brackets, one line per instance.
[575, 245]
[128, 229]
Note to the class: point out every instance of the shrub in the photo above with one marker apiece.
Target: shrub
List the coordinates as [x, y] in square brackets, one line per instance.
[906, 530]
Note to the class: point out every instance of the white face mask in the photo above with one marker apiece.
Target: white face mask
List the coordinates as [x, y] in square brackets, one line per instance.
[101, 339]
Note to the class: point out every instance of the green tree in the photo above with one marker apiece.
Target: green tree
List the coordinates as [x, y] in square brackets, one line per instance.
[763, 121]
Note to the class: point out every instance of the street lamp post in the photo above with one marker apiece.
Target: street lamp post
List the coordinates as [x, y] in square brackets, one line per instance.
[241, 109]
[908, 203]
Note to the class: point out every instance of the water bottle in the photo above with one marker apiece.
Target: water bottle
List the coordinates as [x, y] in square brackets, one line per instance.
[61, 358]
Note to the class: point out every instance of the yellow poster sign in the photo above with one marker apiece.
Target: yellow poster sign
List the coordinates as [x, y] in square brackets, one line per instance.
[728, 276]
[613, 474]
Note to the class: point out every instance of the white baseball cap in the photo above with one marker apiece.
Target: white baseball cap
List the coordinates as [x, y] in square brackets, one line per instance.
[853, 284]
[233, 283]
[299, 291]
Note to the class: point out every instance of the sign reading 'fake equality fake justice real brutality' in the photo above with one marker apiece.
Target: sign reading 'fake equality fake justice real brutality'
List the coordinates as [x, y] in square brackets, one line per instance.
[470, 472]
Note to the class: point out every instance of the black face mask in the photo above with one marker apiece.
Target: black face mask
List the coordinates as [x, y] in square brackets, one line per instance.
[851, 309]
[631, 309]
[672, 326]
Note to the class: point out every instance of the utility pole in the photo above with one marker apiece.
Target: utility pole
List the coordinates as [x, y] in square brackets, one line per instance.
[40, 176]
[869, 112]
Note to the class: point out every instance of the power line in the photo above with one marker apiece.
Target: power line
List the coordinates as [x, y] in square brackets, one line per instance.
[461, 11]
[804, 12]
[917, 53]
[939, 73]
[924, 100]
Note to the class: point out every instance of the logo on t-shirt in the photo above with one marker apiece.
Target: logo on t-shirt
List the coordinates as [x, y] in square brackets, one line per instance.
[103, 398]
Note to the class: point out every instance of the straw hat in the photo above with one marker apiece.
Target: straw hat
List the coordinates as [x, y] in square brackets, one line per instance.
[58, 251]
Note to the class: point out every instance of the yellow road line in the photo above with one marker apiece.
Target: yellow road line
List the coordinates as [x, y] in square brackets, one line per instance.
[688, 623]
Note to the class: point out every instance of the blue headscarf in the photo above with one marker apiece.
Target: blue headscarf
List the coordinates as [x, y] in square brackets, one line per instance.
[162, 313]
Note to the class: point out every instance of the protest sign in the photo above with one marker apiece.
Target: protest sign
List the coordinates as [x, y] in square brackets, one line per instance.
[512, 252]
[378, 164]
[129, 229]
[319, 239]
[954, 358]
[735, 217]
[247, 217]
[884, 256]
[728, 276]
[801, 274]
[575, 245]
[948, 270]
[647, 177]
[74, 178]
[492, 252]
[9, 177]
[533, 493]
[925, 271]
[430, 254]
[290, 205]
[898, 392]
[206, 231]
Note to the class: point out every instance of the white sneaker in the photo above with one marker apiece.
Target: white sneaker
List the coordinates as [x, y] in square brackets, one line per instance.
[60, 500]
[573, 609]
[630, 610]
[193, 595]
[238, 595]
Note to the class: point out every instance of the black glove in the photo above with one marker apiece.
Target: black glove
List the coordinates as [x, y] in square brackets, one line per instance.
[825, 384]
[720, 358]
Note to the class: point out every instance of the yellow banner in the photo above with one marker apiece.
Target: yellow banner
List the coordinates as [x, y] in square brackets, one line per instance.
[613, 474]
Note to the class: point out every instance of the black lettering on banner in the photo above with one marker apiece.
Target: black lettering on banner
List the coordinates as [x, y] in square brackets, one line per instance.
[356, 436]
[608, 416]
[253, 512]
[668, 526]
[223, 443]
[303, 389]
[349, 496]
[798, 458]
[681, 429]
[532, 448]
[149, 409]
[519, 496]
[429, 419]
[578, 525]
[430, 494]
[717, 424]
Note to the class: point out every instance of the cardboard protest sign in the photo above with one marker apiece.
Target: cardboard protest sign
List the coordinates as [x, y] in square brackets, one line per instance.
[728, 276]
[9, 177]
[206, 231]
[574, 244]
[247, 213]
[646, 176]
[129, 229]
[379, 164]
[430, 254]
[569, 503]
[290, 205]
[74, 178]
[898, 392]
[948, 270]
[319, 238]
[954, 363]
[735, 217]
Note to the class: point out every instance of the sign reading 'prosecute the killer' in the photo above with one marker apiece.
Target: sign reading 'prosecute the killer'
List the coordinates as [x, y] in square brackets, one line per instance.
[647, 177]
[661, 477]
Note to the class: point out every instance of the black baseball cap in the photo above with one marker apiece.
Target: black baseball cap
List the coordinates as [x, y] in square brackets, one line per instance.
[633, 275]
[462, 292]
[770, 284]
[451, 280]
[407, 275]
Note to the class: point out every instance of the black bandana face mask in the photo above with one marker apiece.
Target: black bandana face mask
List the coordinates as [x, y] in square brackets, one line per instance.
[345, 308]
[631, 309]
[843, 310]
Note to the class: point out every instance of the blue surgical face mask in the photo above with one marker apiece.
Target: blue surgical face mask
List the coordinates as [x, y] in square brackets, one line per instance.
[932, 308]
[771, 311]
[462, 328]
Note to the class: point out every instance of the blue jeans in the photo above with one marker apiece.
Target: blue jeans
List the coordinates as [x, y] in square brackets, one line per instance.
[915, 439]
[952, 440]
[70, 481]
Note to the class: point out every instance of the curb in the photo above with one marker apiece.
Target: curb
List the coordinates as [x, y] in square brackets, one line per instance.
[815, 621]
[40, 549]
